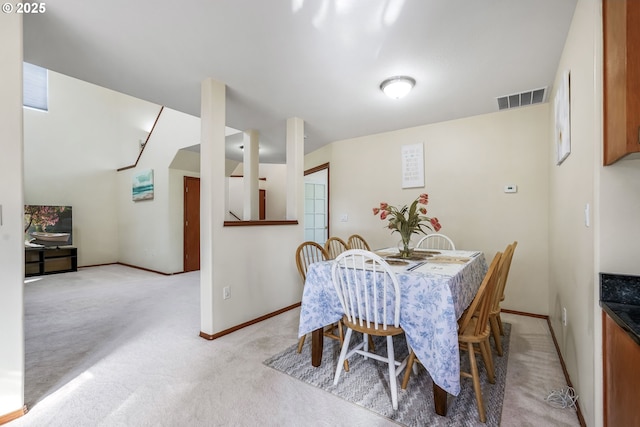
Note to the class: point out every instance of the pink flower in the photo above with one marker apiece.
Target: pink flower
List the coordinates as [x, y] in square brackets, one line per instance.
[423, 199]
[436, 225]
[383, 215]
[423, 211]
[384, 206]
[376, 211]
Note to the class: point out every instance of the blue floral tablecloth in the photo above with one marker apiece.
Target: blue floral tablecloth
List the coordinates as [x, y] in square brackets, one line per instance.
[433, 297]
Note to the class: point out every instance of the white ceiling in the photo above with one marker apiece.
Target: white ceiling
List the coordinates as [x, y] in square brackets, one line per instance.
[320, 60]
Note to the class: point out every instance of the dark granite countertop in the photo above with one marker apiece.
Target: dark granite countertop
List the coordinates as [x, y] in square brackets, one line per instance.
[620, 299]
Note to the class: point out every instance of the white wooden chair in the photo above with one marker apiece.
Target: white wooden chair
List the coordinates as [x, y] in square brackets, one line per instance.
[436, 241]
[369, 293]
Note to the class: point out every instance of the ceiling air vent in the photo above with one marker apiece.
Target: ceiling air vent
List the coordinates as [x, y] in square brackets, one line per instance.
[529, 97]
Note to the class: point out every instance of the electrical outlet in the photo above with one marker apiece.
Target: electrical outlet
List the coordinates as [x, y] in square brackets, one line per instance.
[564, 316]
[226, 292]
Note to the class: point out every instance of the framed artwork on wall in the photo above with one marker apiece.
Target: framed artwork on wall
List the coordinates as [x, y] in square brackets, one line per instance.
[562, 114]
[412, 166]
[142, 185]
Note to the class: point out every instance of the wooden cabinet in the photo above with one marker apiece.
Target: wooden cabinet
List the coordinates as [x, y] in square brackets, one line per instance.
[621, 375]
[621, 32]
[39, 261]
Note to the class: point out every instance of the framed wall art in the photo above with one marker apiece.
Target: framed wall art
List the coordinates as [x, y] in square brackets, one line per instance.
[412, 166]
[142, 185]
[562, 113]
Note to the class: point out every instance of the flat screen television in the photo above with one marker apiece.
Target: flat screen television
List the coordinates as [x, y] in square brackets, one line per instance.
[46, 225]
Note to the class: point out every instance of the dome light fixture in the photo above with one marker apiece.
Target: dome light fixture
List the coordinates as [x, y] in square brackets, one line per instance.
[398, 86]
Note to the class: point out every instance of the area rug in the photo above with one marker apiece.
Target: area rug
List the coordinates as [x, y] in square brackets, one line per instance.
[366, 384]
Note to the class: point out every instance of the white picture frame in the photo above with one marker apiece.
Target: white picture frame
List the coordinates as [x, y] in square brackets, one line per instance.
[412, 166]
[562, 114]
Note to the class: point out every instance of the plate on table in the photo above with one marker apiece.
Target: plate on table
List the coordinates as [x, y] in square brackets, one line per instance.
[392, 262]
[427, 251]
[415, 256]
[450, 259]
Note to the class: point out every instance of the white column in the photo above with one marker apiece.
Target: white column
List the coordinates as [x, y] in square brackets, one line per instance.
[250, 170]
[11, 220]
[295, 168]
[212, 193]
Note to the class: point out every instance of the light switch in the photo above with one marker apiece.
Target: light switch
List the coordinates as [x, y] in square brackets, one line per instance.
[587, 214]
[510, 188]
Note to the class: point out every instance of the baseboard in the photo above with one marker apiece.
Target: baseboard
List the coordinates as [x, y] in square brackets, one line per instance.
[130, 266]
[13, 415]
[524, 313]
[249, 323]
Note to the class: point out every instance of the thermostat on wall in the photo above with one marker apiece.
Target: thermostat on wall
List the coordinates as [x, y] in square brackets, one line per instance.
[510, 188]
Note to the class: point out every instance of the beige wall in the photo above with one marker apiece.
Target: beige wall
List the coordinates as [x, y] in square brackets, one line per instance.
[573, 262]
[467, 164]
[11, 217]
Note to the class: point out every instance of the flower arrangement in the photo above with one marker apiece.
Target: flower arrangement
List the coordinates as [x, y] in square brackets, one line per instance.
[408, 220]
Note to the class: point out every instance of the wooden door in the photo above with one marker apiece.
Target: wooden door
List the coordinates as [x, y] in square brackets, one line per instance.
[262, 200]
[191, 256]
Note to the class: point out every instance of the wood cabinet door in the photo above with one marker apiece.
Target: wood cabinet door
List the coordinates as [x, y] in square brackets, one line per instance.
[621, 37]
[621, 376]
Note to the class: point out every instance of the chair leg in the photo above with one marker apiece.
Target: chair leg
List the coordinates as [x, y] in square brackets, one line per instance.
[393, 381]
[341, 340]
[367, 341]
[476, 383]
[407, 371]
[495, 330]
[301, 343]
[343, 355]
[500, 324]
[485, 349]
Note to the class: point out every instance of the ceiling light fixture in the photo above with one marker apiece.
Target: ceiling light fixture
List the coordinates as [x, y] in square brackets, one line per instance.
[398, 86]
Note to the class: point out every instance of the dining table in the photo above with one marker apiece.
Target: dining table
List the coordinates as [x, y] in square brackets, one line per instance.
[436, 286]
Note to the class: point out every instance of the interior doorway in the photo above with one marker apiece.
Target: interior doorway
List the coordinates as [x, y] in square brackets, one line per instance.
[316, 204]
[191, 256]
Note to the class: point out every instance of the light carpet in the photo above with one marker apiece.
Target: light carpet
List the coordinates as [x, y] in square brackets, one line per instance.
[367, 385]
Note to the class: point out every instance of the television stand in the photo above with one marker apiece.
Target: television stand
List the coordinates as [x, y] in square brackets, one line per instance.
[50, 260]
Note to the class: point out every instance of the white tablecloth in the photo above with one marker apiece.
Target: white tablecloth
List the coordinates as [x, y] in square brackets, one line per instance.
[433, 297]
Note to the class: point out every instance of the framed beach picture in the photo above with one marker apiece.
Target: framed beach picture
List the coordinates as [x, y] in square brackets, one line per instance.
[142, 185]
[562, 112]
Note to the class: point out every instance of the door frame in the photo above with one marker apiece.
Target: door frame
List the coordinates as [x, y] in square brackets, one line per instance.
[318, 169]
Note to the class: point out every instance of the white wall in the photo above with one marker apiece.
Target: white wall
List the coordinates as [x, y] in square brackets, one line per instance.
[467, 164]
[150, 231]
[274, 183]
[572, 265]
[255, 262]
[11, 234]
[71, 154]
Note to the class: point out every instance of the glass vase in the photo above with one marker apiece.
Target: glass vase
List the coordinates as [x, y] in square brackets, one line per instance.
[405, 248]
